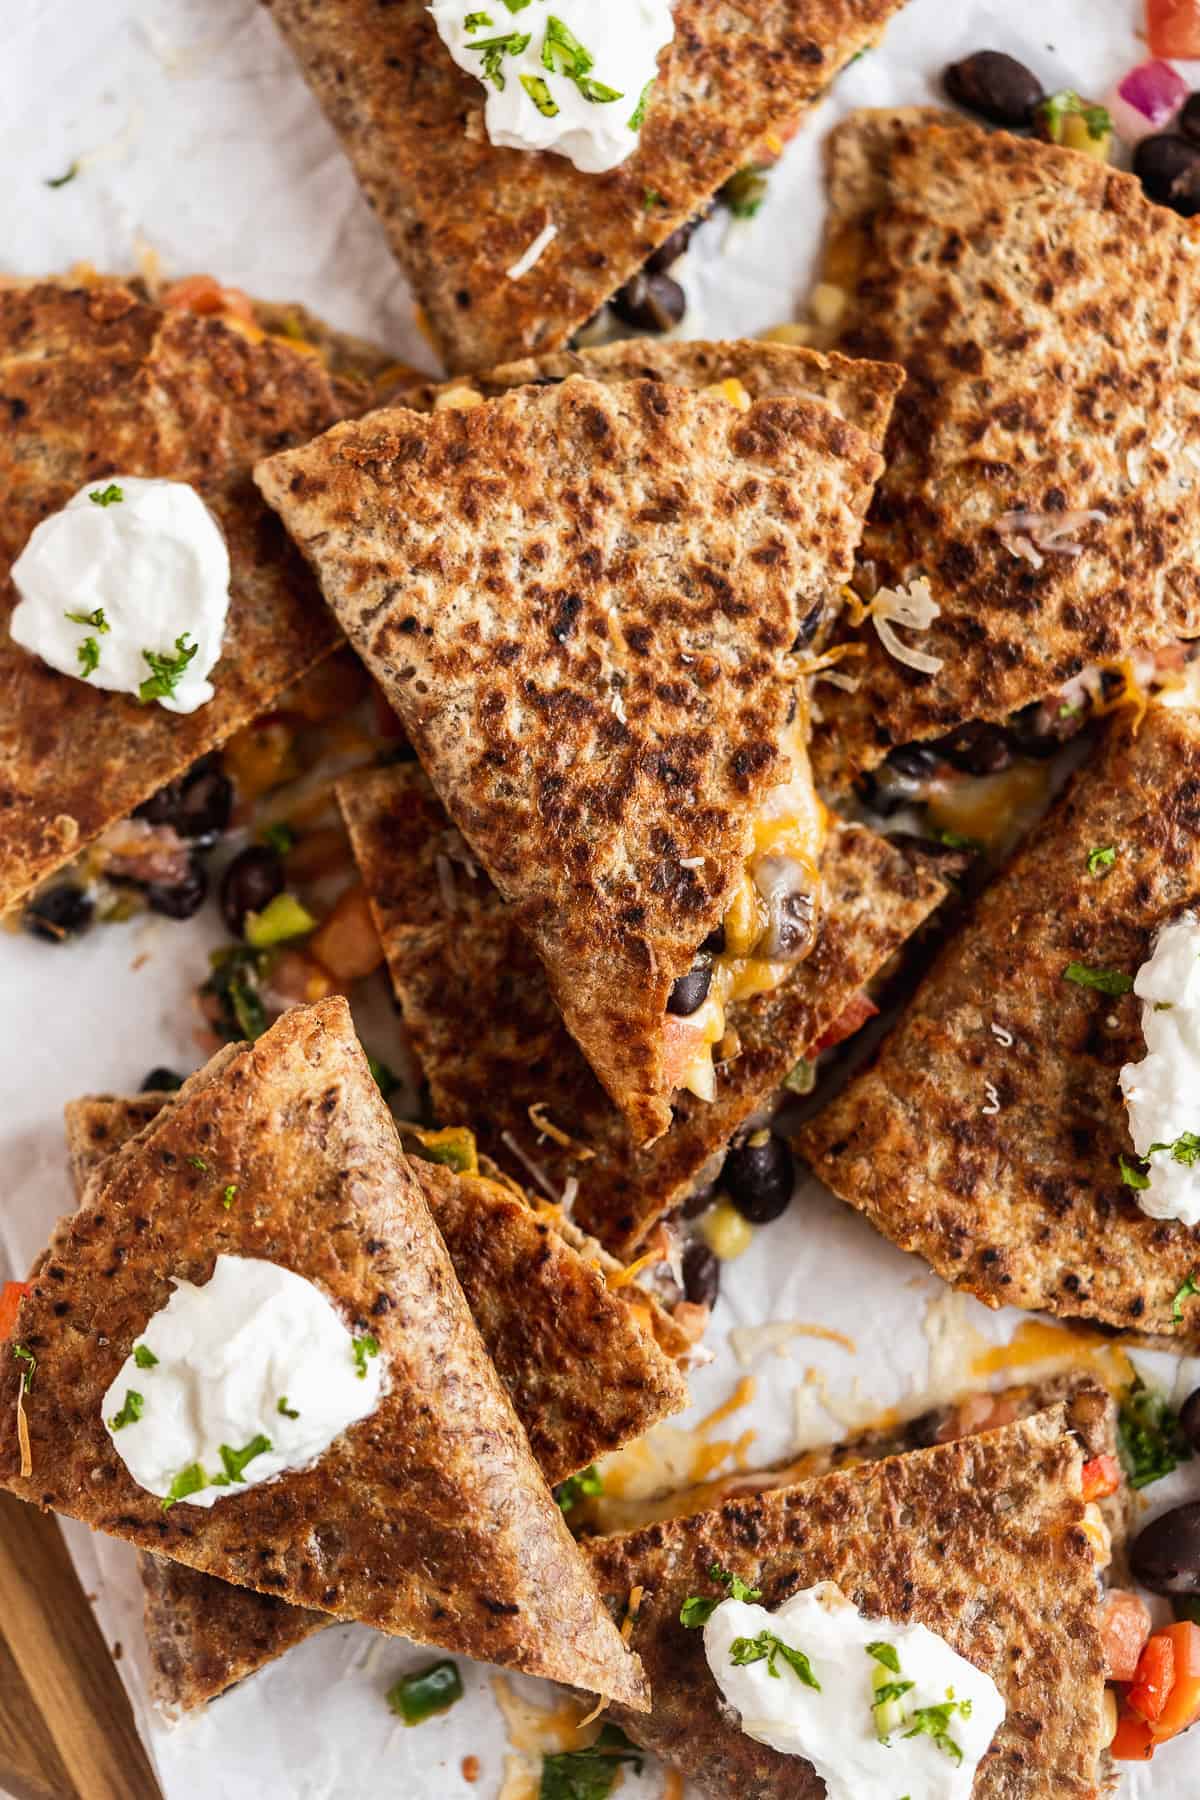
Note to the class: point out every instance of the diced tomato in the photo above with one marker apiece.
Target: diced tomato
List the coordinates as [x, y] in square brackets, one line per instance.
[1183, 1702]
[1101, 1477]
[10, 1299]
[1173, 27]
[347, 944]
[1124, 1628]
[1134, 1742]
[851, 1019]
[204, 294]
[1153, 1679]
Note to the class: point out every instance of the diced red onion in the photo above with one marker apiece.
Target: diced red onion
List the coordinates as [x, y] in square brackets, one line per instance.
[1147, 99]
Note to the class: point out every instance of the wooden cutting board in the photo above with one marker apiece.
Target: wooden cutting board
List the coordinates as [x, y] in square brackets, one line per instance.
[66, 1728]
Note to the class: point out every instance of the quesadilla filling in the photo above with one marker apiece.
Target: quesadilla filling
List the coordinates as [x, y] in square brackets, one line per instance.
[237, 1381]
[769, 926]
[879, 1709]
[126, 587]
[1162, 1092]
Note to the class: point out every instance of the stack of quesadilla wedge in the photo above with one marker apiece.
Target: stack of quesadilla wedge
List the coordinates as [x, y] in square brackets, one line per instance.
[1042, 462]
[581, 598]
[429, 1517]
[988, 1133]
[95, 376]
[459, 211]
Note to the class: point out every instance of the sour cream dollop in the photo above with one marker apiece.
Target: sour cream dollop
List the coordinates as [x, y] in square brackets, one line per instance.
[257, 1355]
[1162, 1092]
[128, 566]
[561, 75]
[836, 1729]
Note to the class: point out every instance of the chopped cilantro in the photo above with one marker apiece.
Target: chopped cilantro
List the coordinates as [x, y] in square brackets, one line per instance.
[493, 50]
[954, 840]
[803, 1078]
[130, 1413]
[227, 1197]
[279, 837]
[1068, 712]
[575, 1488]
[188, 1481]
[234, 983]
[745, 1650]
[562, 52]
[1191, 1286]
[596, 91]
[934, 1722]
[28, 1373]
[363, 1347]
[286, 1411]
[235, 1460]
[745, 192]
[589, 1774]
[144, 1357]
[89, 657]
[425, 1692]
[1106, 981]
[197, 1162]
[107, 496]
[638, 115]
[1132, 1173]
[1057, 108]
[1185, 1149]
[1149, 1436]
[57, 181]
[477, 20]
[95, 619]
[385, 1079]
[650, 199]
[166, 672]
[540, 94]
[885, 1653]
[697, 1610]
[1103, 857]
[516, 6]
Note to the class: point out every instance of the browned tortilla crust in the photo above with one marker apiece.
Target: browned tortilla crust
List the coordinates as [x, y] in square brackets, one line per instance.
[430, 1517]
[458, 211]
[580, 600]
[1024, 1204]
[1043, 309]
[490, 1041]
[980, 1540]
[95, 381]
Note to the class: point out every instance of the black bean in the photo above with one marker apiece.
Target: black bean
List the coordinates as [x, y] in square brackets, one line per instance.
[205, 805]
[1166, 1555]
[161, 1081]
[701, 1274]
[649, 302]
[916, 762]
[1169, 170]
[249, 884]
[699, 1202]
[977, 748]
[1189, 118]
[810, 624]
[996, 86]
[758, 1176]
[691, 990]
[178, 899]
[161, 808]
[1189, 1419]
[715, 941]
[59, 913]
[671, 249]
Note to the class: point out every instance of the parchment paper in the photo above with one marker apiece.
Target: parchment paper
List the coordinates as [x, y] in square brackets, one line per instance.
[198, 140]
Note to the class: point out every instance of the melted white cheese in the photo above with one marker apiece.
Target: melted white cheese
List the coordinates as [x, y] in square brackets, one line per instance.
[835, 1729]
[230, 1355]
[1162, 1092]
[138, 573]
[551, 92]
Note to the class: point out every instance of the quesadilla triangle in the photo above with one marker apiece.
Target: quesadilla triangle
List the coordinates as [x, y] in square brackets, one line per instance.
[989, 1134]
[492, 1045]
[278, 1167]
[979, 1540]
[595, 669]
[580, 1363]
[96, 378]
[1034, 538]
[463, 215]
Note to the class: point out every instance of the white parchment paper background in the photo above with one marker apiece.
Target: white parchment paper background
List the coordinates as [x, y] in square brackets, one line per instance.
[199, 140]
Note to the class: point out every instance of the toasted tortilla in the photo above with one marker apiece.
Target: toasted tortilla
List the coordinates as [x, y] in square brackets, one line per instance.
[430, 1518]
[997, 1162]
[459, 212]
[580, 601]
[94, 379]
[1035, 298]
[494, 1050]
[979, 1539]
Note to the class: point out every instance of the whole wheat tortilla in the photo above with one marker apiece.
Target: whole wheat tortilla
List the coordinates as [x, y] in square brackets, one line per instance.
[496, 1054]
[94, 379]
[998, 1161]
[1043, 310]
[459, 212]
[580, 600]
[979, 1539]
[430, 1517]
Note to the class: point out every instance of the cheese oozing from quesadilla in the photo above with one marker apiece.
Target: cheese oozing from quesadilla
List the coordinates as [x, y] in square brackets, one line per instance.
[878, 1709]
[1162, 1092]
[237, 1381]
[562, 75]
[769, 926]
[127, 587]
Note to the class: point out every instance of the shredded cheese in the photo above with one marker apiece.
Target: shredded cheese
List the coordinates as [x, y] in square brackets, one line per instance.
[619, 1278]
[541, 243]
[1051, 532]
[23, 1432]
[1131, 694]
[914, 607]
[635, 1601]
[993, 1100]
[548, 1129]
[570, 1193]
[445, 881]
[748, 1342]
[531, 1168]
[458, 399]
[1002, 1036]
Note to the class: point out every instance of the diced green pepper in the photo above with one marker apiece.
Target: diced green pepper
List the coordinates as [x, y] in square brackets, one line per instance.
[427, 1691]
[282, 919]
